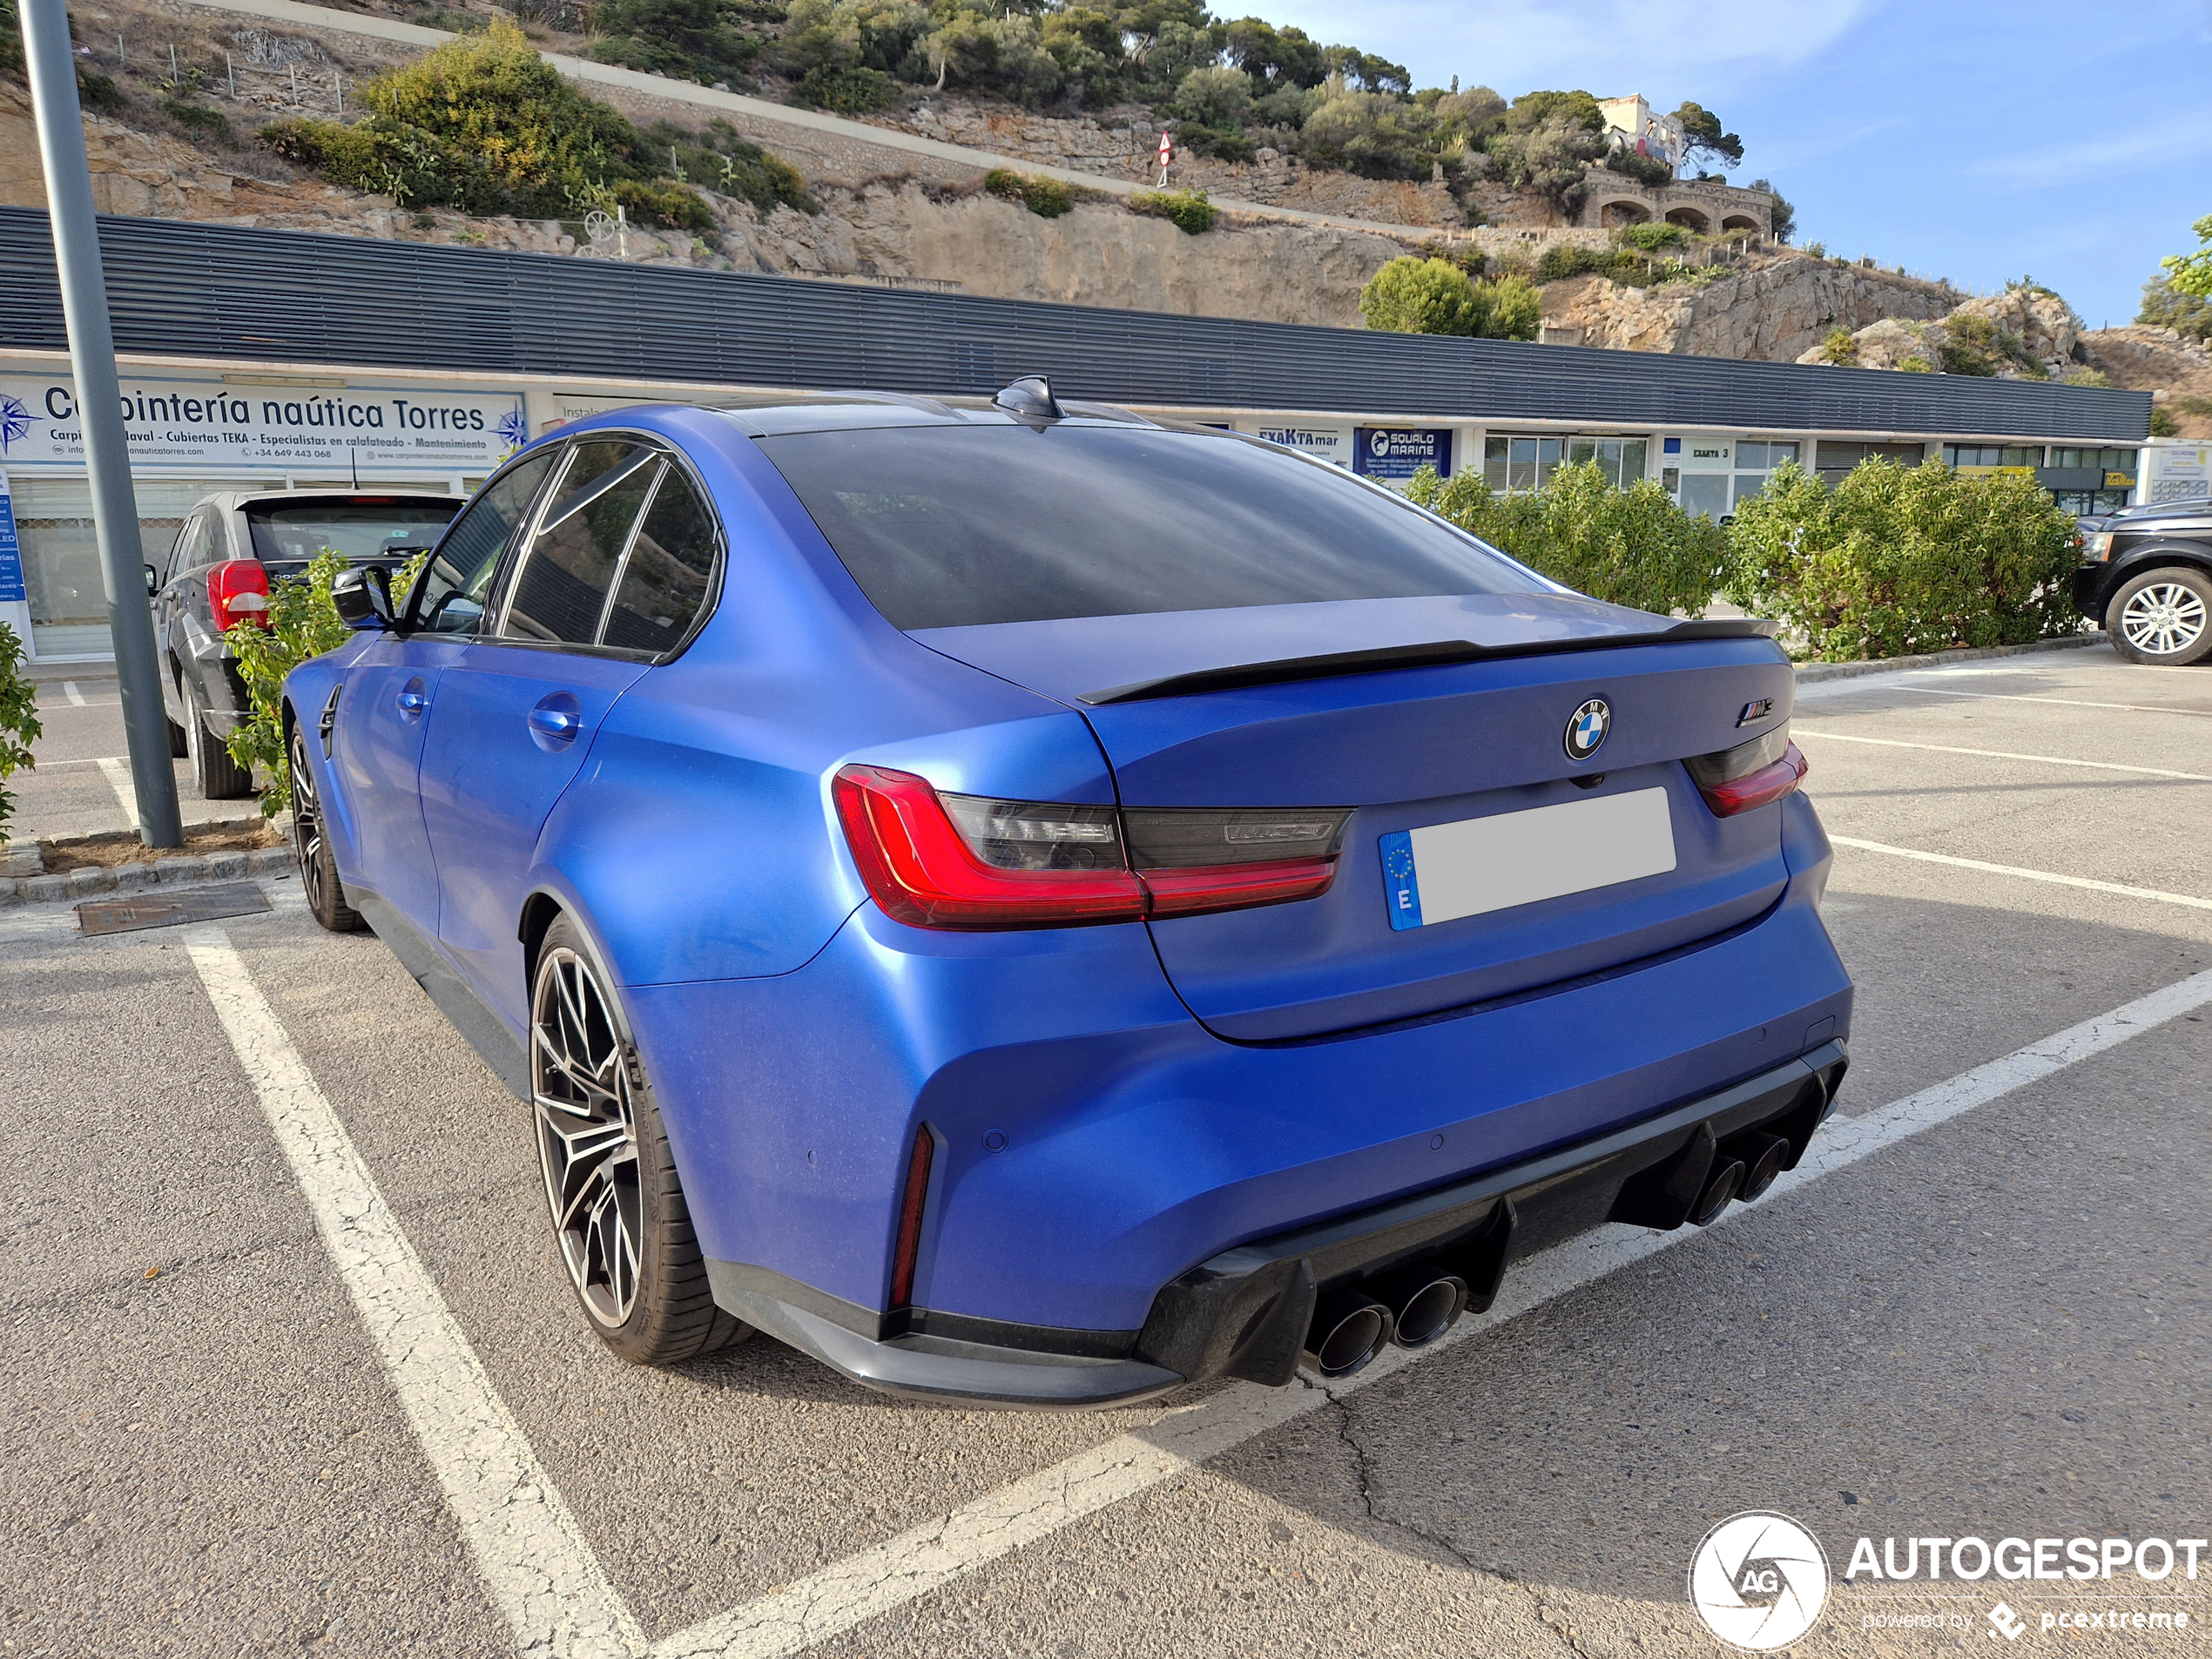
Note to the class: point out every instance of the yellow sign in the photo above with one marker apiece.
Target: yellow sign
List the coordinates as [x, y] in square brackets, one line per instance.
[2020, 472]
[2118, 480]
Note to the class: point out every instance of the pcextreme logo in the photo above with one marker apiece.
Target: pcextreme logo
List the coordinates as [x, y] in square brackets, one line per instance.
[1759, 1580]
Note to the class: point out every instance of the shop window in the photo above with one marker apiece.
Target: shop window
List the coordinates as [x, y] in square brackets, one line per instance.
[1992, 455]
[2120, 460]
[1511, 462]
[1834, 460]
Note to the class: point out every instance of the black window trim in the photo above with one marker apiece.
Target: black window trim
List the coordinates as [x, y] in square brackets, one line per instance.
[506, 561]
[537, 520]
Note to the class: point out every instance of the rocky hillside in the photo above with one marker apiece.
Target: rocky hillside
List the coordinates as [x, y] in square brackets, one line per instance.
[1774, 305]
[2174, 368]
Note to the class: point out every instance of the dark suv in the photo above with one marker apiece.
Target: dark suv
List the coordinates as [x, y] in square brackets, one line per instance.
[217, 573]
[2146, 576]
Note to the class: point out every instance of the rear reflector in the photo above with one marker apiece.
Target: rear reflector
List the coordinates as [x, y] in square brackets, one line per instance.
[971, 862]
[1752, 775]
[238, 590]
[908, 1248]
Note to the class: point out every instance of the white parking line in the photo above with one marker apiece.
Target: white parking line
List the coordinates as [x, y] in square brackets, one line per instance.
[117, 771]
[536, 1565]
[879, 1580]
[2068, 702]
[1797, 730]
[76, 697]
[2086, 882]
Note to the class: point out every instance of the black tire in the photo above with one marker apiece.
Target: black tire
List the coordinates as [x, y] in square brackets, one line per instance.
[219, 777]
[2162, 617]
[318, 877]
[610, 1181]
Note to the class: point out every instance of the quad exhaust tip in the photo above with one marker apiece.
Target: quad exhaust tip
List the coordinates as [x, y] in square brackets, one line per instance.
[1427, 1304]
[1350, 1328]
[1764, 1157]
[1722, 1184]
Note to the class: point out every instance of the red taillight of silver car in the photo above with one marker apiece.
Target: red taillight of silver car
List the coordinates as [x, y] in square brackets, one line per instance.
[238, 590]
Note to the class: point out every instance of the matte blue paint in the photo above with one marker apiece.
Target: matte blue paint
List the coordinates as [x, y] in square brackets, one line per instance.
[1103, 1124]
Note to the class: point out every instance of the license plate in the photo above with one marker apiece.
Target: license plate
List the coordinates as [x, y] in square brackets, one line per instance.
[1444, 872]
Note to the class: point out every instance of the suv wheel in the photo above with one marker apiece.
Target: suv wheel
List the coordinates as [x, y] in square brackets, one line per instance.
[619, 1220]
[2163, 617]
[219, 777]
[318, 869]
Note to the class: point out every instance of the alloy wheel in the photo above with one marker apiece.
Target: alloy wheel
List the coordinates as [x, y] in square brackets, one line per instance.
[2163, 619]
[587, 1134]
[307, 824]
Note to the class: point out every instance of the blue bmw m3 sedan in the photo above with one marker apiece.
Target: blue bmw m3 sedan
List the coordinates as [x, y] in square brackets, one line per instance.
[1031, 906]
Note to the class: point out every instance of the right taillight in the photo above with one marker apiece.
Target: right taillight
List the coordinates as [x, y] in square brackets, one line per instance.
[972, 861]
[238, 590]
[1752, 775]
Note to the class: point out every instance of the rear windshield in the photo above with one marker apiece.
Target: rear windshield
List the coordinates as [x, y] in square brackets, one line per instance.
[948, 526]
[290, 532]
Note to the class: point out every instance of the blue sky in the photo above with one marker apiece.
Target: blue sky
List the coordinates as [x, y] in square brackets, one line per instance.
[2068, 141]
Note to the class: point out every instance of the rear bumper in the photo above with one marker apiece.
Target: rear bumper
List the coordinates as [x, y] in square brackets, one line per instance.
[1244, 1312]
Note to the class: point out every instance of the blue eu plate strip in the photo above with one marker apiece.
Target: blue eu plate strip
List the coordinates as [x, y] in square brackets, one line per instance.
[1401, 885]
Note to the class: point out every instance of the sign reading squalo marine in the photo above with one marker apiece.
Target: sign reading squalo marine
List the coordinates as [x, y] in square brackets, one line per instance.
[219, 425]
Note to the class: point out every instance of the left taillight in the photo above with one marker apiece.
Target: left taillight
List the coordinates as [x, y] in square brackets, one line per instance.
[970, 861]
[238, 590]
[1750, 774]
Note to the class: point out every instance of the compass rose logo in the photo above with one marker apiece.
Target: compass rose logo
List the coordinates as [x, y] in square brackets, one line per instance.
[15, 422]
[514, 429]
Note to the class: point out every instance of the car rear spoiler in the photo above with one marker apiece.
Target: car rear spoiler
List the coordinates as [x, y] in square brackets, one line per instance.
[1239, 675]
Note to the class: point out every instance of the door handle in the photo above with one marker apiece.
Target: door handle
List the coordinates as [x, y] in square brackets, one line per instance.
[413, 702]
[555, 721]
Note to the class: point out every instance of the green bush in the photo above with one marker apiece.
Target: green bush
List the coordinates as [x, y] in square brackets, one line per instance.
[2162, 423]
[1647, 170]
[1187, 210]
[2185, 314]
[1046, 198]
[20, 726]
[1629, 547]
[1898, 560]
[698, 40]
[11, 58]
[198, 119]
[847, 91]
[2191, 273]
[483, 123]
[1841, 348]
[722, 159]
[1434, 296]
[303, 622]
[1652, 235]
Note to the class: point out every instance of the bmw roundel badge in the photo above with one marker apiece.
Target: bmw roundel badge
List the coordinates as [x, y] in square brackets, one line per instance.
[1586, 731]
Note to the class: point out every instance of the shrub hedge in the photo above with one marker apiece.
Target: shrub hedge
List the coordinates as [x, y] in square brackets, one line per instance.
[1629, 547]
[1897, 560]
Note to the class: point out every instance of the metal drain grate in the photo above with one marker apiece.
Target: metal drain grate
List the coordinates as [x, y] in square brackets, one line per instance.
[165, 910]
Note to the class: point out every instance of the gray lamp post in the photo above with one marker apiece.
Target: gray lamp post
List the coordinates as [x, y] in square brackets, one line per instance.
[99, 403]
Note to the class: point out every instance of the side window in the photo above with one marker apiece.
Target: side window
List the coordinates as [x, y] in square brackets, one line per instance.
[664, 579]
[191, 551]
[563, 586]
[448, 596]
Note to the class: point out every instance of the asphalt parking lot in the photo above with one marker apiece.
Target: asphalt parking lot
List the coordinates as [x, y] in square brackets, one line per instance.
[294, 1368]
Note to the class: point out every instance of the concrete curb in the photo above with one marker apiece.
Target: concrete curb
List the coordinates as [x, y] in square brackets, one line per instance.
[143, 875]
[1812, 673]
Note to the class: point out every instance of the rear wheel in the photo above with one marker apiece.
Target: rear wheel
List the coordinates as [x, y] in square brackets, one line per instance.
[620, 1222]
[2163, 617]
[318, 869]
[219, 777]
[176, 732]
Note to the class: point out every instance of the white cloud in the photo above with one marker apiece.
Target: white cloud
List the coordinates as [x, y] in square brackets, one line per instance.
[2040, 168]
[1666, 49]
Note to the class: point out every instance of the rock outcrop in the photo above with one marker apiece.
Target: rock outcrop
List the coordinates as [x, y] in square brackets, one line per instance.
[1777, 305]
[2175, 369]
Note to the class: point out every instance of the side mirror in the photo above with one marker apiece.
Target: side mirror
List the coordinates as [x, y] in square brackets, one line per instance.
[363, 597]
[153, 581]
